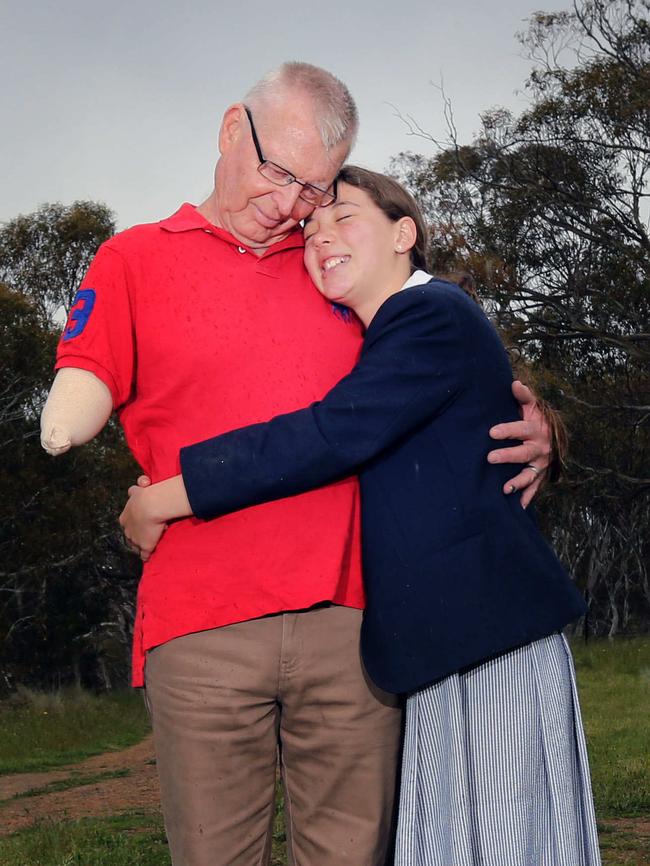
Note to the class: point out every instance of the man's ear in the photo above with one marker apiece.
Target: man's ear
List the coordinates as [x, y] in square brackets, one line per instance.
[405, 234]
[231, 126]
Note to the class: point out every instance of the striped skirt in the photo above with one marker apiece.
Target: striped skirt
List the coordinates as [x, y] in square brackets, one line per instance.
[495, 768]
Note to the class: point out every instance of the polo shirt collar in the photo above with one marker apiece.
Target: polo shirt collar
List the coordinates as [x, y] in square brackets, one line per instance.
[187, 218]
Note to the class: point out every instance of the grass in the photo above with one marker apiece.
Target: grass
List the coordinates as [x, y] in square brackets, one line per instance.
[46, 730]
[614, 683]
[134, 839]
[127, 840]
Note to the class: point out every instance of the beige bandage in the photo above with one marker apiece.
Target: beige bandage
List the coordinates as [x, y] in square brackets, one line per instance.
[78, 406]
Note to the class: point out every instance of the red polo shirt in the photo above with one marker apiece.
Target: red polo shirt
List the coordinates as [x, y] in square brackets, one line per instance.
[195, 335]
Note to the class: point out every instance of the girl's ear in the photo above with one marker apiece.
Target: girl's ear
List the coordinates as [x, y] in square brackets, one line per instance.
[405, 235]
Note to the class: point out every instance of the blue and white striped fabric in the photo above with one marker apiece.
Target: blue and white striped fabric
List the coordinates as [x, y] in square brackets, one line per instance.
[495, 769]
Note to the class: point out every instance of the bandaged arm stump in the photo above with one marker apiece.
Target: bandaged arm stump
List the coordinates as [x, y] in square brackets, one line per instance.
[77, 408]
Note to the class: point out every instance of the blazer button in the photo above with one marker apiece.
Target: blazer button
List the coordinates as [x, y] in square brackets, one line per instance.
[241, 250]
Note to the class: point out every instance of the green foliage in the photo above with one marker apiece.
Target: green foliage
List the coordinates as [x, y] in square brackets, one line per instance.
[44, 255]
[67, 585]
[42, 730]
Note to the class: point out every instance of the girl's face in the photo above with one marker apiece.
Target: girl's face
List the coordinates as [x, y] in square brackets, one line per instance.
[353, 251]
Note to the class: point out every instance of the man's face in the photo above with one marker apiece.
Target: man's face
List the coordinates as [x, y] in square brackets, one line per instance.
[250, 206]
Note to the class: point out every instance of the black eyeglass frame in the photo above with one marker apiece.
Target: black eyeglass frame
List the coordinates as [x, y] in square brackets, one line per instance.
[326, 197]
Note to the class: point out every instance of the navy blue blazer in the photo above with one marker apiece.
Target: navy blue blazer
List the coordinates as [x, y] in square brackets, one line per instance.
[455, 571]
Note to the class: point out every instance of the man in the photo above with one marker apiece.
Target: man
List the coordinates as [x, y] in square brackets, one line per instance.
[250, 624]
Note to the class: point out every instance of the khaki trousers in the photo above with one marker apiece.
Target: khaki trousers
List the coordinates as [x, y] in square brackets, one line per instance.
[226, 702]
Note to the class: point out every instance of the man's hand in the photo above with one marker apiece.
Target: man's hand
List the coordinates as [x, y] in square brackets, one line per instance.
[535, 450]
[142, 530]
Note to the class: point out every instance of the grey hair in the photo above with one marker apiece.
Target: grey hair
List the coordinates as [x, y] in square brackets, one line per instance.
[335, 111]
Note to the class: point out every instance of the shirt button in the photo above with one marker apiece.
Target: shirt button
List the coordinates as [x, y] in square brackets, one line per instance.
[241, 250]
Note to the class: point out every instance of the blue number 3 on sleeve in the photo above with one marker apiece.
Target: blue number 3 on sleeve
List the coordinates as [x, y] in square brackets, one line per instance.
[82, 307]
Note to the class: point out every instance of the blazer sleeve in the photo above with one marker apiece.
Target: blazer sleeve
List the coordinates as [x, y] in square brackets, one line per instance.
[410, 369]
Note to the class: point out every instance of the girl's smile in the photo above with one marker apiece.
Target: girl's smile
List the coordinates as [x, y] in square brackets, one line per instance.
[355, 254]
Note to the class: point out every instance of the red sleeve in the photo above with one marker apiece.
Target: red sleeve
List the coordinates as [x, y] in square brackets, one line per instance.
[99, 333]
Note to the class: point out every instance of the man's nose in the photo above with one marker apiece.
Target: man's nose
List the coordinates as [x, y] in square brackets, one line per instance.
[286, 198]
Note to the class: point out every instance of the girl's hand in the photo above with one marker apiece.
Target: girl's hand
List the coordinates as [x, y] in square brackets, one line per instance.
[149, 509]
[142, 529]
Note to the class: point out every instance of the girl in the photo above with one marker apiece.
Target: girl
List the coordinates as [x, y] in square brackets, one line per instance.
[465, 599]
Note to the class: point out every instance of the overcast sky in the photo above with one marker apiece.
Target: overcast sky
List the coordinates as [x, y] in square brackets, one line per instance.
[120, 102]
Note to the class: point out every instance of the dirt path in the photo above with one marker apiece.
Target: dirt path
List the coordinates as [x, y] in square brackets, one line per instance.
[110, 796]
[631, 837]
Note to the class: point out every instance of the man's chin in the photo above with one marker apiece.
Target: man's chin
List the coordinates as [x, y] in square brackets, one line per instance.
[264, 235]
[264, 221]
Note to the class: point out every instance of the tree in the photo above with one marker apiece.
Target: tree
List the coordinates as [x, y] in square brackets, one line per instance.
[44, 255]
[549, 212]
[67, 585]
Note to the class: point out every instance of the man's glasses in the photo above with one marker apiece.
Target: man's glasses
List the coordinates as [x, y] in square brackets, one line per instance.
[313, 195]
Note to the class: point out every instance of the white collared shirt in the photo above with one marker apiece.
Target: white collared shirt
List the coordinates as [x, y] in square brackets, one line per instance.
[417, 278]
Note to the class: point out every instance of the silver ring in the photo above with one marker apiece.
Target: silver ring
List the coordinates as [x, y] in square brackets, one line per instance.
[534, 468]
